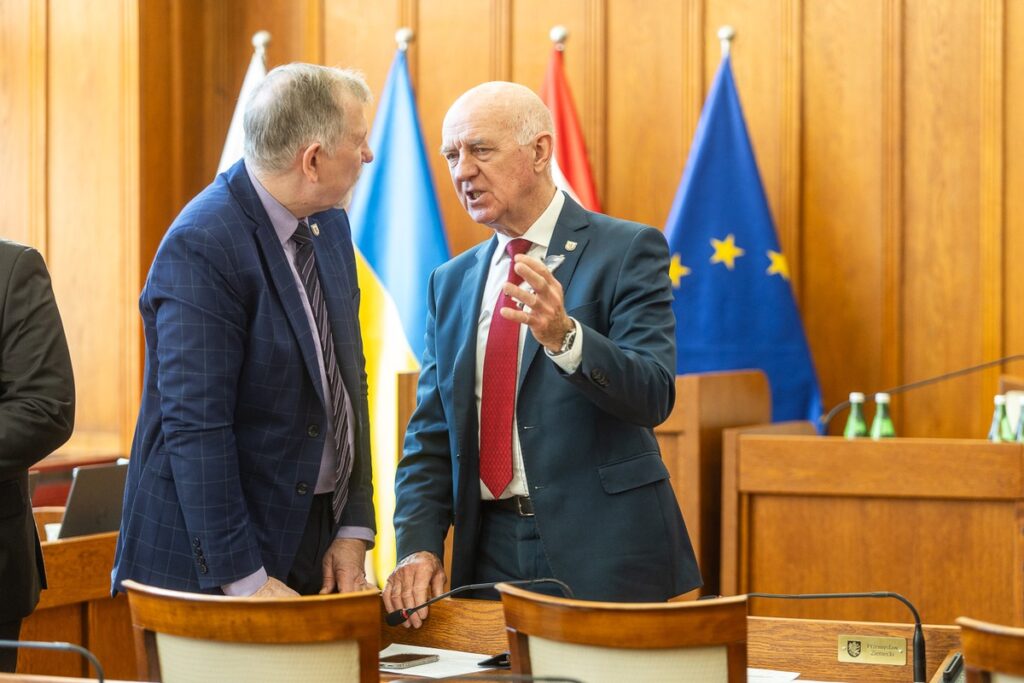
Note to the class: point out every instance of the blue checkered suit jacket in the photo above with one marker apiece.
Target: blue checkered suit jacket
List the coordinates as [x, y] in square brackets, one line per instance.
[232, 424]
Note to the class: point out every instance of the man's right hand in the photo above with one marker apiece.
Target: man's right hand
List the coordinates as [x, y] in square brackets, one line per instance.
[274, 589]
[416, 579]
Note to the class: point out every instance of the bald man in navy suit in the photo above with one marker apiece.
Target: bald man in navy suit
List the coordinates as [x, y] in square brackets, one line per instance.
[539, 390]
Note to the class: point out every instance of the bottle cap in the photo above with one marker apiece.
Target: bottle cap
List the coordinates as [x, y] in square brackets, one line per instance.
[999, 400]
[881, 397]
[856, 397]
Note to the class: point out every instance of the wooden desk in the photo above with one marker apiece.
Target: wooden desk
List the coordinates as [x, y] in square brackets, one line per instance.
[809, 646]
[937, 520]
[77, 608]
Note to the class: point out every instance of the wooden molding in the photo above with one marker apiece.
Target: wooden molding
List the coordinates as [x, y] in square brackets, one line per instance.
[891, 353]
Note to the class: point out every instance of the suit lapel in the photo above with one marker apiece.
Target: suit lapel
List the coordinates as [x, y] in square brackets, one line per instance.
[281, 276]
[464, 398]
[571, 227]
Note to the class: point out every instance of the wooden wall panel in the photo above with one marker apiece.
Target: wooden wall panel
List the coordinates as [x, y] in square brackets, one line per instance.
[459, 46]
[647, 147]
[942, 325]
[90, 209]
[842, 128]
[22, 121]
[1014, 180]
[365, 40]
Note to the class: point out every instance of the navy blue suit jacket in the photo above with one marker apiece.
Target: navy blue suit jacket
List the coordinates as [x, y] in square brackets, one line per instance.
[232, 424]
[607, 516]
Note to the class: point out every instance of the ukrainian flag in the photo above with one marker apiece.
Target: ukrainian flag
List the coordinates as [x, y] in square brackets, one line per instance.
[399, 239]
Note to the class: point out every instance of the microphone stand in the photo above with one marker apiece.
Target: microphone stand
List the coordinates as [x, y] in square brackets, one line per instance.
[919, 660]
[399, 616]
[62, 647]
[827, 417]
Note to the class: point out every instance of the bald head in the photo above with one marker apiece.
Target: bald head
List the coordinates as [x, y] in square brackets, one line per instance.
[498, 142]
[514, 106]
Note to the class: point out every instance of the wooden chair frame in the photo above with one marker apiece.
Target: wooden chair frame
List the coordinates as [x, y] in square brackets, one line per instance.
[640, 626]
[990, 648]
[307, 619]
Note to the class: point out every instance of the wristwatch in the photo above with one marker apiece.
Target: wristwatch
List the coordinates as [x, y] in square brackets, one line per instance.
[568, 339]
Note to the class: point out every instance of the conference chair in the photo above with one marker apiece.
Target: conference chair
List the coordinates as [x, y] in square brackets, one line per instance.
[700, 641]
[992, 653]
[198, 638]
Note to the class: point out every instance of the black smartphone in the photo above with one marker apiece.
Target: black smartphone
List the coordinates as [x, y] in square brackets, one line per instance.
[404, 661]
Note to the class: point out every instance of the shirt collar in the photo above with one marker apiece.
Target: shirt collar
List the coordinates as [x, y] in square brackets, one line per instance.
[281, 218]
[539, 233]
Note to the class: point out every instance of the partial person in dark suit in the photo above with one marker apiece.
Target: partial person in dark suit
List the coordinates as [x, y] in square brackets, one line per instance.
[250, 466]
[533, 432]
[37, 415]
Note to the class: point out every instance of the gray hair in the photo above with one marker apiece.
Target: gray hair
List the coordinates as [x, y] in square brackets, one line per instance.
[297, 105]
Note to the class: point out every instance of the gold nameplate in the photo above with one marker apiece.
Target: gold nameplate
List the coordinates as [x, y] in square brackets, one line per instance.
[873, 650]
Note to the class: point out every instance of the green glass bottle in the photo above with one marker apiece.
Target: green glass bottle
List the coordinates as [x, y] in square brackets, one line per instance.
[856, 426]
[1020, 419]
[881, 426]
[1000, 428]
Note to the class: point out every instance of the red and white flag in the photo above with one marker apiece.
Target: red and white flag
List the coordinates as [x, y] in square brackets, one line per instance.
[570, 167]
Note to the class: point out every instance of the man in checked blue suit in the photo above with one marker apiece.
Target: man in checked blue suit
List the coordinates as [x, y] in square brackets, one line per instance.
[533, 432]
[250, 467]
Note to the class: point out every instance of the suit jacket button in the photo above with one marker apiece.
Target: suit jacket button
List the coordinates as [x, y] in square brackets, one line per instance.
[302, 488]
[203, 569]
[195, 543]
[597, 374]
[313, 430]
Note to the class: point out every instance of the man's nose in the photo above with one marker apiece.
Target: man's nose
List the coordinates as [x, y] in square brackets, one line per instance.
[464, 168]
[367, 154]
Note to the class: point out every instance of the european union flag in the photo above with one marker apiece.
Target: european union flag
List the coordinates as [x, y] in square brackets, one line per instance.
[733, 302]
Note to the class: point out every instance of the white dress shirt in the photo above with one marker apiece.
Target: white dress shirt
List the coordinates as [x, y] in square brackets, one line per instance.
[539, 234]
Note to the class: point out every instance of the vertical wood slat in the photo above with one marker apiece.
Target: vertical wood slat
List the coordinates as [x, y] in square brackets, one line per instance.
[891, 352]
[594, 109]
[129, 324]
[991, 164]
[693, 69]
[789, 227]
[501, 40]
[38, 187]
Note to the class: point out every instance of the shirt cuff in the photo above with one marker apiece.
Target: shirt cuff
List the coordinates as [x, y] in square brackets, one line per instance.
[571, 358]
[247, 586]
[361, 532]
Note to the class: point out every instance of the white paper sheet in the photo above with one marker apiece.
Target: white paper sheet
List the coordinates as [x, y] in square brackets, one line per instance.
[451, 662]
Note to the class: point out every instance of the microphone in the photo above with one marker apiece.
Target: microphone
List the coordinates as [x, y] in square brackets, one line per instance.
[63, 647]
[919, 652]
[827, 417]
[399, 616]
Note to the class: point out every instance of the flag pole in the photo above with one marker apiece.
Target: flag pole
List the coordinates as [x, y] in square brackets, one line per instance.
[403, 37]
[260, 40]
[725, 35]
[559, 34]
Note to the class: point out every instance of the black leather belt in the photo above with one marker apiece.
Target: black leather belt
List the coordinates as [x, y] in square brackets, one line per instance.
[521, 505]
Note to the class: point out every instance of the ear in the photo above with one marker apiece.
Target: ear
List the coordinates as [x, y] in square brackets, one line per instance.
[543, 149]
[310, 161]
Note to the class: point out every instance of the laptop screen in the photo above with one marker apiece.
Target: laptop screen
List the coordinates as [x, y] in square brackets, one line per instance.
[94, 502]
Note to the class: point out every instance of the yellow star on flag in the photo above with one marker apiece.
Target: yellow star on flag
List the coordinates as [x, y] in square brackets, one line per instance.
[778, 265]
[677, 271]
[726, 251]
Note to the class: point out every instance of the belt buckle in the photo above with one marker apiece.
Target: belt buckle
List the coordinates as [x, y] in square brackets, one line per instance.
[519, 507]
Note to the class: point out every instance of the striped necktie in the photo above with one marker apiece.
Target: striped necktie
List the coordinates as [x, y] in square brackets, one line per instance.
[305, 263]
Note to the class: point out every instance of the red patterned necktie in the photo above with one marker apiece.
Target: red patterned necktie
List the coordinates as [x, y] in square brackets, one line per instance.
[498, 396]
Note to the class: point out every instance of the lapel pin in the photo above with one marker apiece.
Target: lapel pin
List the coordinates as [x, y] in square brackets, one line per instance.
[315, 229]
[570, 246]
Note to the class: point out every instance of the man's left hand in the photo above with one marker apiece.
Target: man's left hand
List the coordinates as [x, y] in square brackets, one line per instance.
[544, 308]
[344, 567]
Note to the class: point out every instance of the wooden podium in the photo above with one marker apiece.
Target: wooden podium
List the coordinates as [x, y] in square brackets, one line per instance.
[936, 520]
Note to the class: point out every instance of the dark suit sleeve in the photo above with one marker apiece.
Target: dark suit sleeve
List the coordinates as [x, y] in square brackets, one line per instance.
[37, 388]
[630, 372]
[423, 481]
[201, 343]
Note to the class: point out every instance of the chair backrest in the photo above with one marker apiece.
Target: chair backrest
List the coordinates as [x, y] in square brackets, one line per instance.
[605, 642]
[196, 638]
[992, 653]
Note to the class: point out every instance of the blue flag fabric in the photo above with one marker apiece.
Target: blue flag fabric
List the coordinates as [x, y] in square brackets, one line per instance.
[396, 219]
[734, 304]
